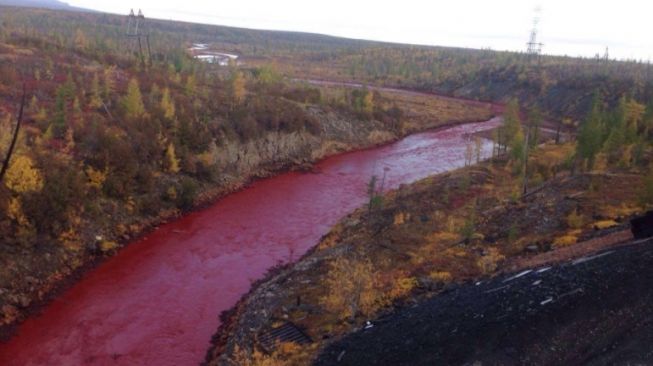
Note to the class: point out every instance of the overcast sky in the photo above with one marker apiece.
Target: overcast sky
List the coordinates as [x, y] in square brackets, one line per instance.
[571, 27]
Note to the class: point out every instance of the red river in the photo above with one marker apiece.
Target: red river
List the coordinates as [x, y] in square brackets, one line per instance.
[157, 302]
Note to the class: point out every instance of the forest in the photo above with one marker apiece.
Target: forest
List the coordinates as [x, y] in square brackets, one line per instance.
[562, 87]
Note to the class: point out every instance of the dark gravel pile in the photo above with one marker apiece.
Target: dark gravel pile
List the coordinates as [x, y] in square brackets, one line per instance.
[596, 310]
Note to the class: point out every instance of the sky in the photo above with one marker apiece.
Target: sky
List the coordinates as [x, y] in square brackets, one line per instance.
[567, 27]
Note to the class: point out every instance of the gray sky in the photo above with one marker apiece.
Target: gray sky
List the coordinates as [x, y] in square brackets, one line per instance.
[571, 27]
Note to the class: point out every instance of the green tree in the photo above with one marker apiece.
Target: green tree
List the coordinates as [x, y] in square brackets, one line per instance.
[133, 101]
[268, 75]
[648, 120]
[511, 124]
[534, 122]
[616, 135]
[58, 125]
[589, 136]
[517, 149]
[634, 116]
[372, 193]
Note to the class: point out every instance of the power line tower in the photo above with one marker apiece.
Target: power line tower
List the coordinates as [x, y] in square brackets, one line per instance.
[535, 47]
[137, 34]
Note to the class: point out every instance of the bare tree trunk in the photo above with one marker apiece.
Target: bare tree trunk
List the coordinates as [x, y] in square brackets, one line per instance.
[5, 164]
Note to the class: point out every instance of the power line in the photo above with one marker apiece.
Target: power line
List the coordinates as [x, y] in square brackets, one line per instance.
[137, 34]
[535, 47]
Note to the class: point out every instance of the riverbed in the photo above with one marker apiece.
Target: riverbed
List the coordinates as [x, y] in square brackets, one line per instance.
[157, 302]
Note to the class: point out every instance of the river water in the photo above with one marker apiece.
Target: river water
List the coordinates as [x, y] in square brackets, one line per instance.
[157, 302]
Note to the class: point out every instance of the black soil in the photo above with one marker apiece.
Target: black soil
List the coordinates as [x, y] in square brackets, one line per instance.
[597, 310]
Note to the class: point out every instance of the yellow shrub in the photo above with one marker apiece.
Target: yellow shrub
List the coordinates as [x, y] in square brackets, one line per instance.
[457, 252]
[9, 314]
[331, 238]
[565, 241]
[15, 211]
[351, 288]
[172, 163]
[22, 176]
[107, 246]
[96, 178]
[619, 211]
[70, 240]
[601, 162]
[574, 220]
[489, 262]
[402, 287]
[286, 353]
[401, 218]
[605, 224]
[439, 276]
[171, 193]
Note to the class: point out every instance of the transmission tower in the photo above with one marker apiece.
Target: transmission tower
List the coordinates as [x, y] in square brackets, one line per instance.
[137, 34]
[535, 47]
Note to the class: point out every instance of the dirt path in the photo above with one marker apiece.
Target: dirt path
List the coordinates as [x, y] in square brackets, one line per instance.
[594, 310]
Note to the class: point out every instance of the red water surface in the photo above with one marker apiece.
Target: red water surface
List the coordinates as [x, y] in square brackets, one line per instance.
[157, 302]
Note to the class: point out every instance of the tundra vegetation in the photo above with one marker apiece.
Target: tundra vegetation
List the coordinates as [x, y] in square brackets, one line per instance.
[112, 144]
